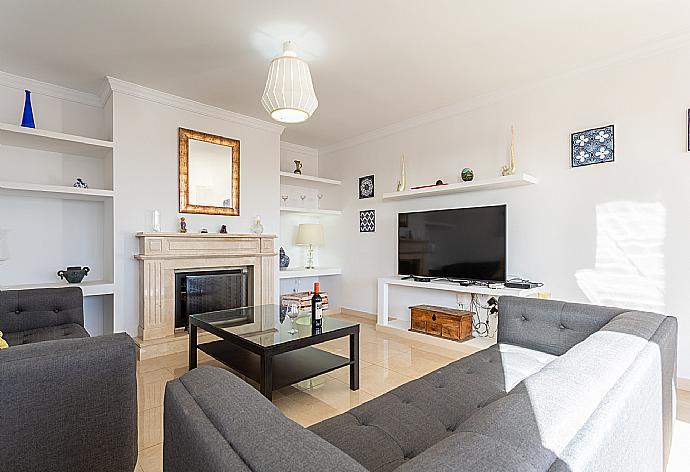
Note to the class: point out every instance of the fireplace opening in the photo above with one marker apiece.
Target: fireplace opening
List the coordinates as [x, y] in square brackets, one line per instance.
[203, 291]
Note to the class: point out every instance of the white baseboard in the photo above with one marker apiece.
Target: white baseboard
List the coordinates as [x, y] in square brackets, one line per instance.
[683, 384]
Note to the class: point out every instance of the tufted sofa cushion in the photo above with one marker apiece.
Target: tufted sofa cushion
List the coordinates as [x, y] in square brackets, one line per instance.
[49, 333]
[26, 310]
[387, 431]
[549, 325]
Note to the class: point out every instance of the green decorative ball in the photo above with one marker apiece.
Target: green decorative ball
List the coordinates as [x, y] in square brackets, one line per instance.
[467, 174]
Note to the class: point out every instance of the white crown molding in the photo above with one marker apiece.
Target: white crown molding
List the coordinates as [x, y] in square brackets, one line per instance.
[665, 44]
[298, 148]
[139, 91]
[50, 90]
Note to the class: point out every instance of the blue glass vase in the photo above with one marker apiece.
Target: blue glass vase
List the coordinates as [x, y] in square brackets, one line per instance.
[28, 116]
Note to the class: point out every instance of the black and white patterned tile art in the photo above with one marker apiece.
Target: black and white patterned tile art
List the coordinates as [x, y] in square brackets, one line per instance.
[367, 221]
[592, 146]
[366, 186]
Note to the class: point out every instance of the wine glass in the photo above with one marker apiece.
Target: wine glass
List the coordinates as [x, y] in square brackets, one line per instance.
[293, 313]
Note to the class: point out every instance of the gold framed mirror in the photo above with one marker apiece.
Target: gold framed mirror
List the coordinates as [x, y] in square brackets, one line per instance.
[209, 173]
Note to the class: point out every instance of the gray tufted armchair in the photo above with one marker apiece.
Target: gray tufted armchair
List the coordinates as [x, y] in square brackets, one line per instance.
[68, 402]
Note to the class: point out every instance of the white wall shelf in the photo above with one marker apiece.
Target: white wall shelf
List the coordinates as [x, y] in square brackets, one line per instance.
[44, 140]
[310, 211]
[54, 191]
[90, 288]
[309, 178]
[317, 272]
[517, 180]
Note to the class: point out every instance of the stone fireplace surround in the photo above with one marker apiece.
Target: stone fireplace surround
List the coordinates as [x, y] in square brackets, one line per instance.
[161, 255]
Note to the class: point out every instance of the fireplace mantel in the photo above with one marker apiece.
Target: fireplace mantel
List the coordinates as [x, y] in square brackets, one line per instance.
[163, 254]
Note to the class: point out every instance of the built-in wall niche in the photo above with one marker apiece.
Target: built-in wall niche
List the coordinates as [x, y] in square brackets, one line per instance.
[44, 235]
[49, 224]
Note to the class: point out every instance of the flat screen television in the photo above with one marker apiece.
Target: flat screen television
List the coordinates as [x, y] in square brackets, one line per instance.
[460, 243]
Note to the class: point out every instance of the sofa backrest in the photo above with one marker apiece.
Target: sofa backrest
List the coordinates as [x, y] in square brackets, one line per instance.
[21, 310]
[573, 414]
[216, 422]
[549, 326]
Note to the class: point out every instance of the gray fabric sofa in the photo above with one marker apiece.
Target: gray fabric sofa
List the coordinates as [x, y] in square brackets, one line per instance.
[568, 387]
[68, 402]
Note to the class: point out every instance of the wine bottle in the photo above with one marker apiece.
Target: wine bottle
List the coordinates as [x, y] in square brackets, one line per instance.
[316, 309]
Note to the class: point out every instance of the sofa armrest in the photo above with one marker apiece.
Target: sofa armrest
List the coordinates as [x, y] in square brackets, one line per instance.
[215, 422]
[69, 405]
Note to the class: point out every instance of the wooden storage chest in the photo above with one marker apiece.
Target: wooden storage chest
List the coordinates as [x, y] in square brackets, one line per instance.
[442, 322]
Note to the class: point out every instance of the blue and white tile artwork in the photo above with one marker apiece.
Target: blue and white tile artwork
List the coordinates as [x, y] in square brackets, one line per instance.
[593, 146]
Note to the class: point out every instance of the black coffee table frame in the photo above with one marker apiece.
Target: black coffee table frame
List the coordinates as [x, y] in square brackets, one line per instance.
[279, 365]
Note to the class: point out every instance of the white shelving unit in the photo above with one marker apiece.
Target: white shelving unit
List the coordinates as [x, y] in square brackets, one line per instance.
[44, 140]
[61, 147]
[509, 181]
[310, 211]
[317, 272]
[308, 178]
[55, 191]
[90, 289]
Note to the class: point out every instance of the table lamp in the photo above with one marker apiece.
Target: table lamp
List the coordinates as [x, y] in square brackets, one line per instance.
[310, 235]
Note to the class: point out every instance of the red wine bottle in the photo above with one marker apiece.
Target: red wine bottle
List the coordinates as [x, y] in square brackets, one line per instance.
[316, 308]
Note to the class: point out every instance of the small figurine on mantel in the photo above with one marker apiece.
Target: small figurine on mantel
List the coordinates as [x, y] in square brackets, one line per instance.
[183, 224]
[223, 229]
[298, 167]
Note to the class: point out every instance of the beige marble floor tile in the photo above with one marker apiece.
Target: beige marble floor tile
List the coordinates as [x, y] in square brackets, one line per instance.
[338, 395]
[148, 365]
[414, 363]
[151, 459]
[376, 380]
[343, 374]
[304, 408]
[150, 427]
[177, 360]
[151, 388]
[388, 344]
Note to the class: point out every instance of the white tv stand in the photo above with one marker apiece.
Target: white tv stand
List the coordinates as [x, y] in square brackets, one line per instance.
[384, 324]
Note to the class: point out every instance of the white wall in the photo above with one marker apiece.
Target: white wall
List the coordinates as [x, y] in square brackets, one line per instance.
[611, 233]
[146, 178]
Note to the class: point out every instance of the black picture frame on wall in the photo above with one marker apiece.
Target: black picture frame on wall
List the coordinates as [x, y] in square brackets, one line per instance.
[366, 187]
[367, 221]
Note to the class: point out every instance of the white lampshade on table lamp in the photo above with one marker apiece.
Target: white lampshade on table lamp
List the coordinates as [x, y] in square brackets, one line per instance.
[310, 235]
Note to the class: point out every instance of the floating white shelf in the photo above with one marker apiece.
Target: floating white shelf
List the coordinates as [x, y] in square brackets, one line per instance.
[90, 288]
[310, 211]
[309, 178]
[317, 272]
[44, 140]
[517, 180]
[54, 191]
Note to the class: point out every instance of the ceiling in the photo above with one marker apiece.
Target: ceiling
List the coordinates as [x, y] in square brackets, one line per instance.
[373, 62]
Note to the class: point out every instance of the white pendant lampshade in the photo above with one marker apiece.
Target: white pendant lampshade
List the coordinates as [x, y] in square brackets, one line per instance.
[289, 94]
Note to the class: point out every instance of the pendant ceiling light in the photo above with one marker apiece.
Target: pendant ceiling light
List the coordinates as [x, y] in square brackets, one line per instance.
[289, 94]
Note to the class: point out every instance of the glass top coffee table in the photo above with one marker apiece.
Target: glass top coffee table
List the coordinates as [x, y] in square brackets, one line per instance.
[274, 358]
